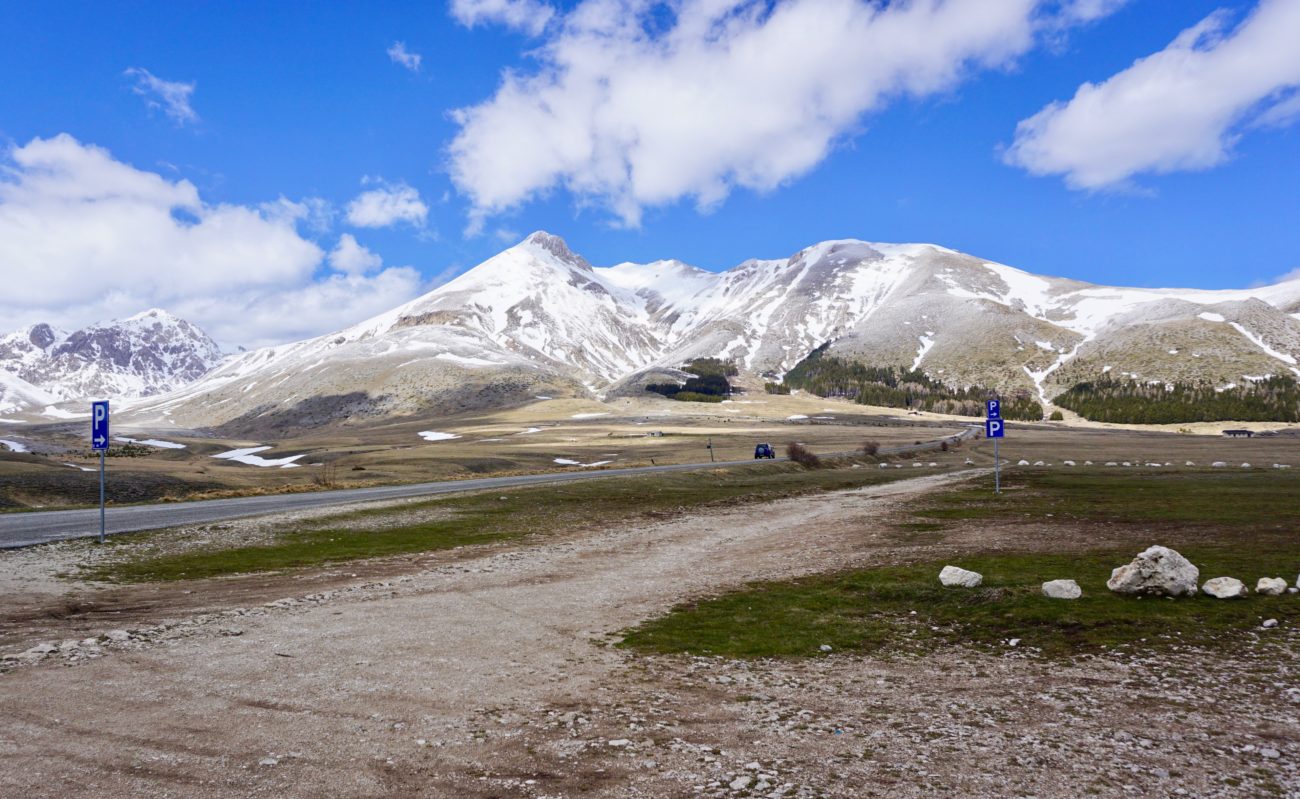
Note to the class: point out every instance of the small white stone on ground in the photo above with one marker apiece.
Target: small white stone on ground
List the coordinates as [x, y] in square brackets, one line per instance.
[1269, 624]
[620, 742]
[1156, 571]
[741, 783]
[955, 576]
[268, 761]
[1225, 588]
[825, 647]
[1023, 463]
[1062, 589]
[1270, 586]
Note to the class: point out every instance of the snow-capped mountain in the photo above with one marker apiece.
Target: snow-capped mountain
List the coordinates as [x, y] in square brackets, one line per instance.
[539, 319]
[150, 353]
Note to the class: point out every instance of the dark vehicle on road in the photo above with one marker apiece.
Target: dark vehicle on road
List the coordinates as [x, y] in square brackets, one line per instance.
[764, 451]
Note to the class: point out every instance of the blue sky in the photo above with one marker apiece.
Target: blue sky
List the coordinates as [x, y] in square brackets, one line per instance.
[305, 102]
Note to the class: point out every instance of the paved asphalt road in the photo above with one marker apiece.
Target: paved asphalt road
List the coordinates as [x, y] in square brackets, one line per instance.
[26, 529]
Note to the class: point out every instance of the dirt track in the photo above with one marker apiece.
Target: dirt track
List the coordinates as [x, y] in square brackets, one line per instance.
[491, 677]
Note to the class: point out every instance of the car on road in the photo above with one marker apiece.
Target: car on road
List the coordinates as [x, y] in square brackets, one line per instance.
[764, 451]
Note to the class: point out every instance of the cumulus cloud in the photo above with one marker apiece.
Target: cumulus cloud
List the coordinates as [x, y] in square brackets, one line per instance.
[350, 257]
[1180, 109]
[84, 238]
[387, 205]
[529, 16]
[637, 103]
[170, 97]
[400, 55]
[1075, 11]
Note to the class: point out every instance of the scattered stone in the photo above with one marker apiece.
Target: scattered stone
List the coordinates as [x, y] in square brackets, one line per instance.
[269, 761]
[118, 635]
[1219, 464]
[1225, 588]
[619, 743]
[1023, 463]
[825, 647]
[1157, 571]
[741, 783]
[1068, 463]
[1269, 624]
[1270, 586]
[1245, 465]
[955, 576]
[1269, 753]
[1062, 589]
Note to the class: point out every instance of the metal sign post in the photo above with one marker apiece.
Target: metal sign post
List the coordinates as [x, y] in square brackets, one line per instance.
[99, 440]
[995, 429]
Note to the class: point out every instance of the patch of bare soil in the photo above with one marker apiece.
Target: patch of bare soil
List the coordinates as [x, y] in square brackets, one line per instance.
[490, 676]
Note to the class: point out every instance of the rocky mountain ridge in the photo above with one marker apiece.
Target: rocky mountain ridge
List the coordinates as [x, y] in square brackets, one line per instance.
[539, 320]
[150, 353]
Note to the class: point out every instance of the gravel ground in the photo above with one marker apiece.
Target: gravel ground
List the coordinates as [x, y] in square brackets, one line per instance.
[489, 674]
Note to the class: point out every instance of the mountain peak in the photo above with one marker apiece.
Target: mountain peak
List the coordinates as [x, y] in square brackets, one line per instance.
[556, 246]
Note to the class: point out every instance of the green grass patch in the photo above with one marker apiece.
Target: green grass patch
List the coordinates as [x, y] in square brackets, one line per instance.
[872, 610]
[1229, 500]
[1240, 525]
[499, 515]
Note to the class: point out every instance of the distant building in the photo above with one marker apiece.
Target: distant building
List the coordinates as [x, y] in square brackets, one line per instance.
[1239, 433]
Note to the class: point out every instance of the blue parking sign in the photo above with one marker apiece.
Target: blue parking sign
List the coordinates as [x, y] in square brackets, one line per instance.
[994, 409]
[99, 424]
[993, 428]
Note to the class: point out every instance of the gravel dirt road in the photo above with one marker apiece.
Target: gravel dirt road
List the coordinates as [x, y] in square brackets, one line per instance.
[492, 676]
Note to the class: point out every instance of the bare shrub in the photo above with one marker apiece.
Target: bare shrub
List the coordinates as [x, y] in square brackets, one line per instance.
[870, 448]
[943, 446]
[802, 455]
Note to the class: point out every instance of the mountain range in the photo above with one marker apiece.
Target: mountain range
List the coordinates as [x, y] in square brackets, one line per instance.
[538, 319]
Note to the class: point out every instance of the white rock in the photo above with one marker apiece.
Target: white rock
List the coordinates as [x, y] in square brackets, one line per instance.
[1157, 571]
[1268, 753]
[1087, 463]
[954, 576]
[1218, 464]
[1111, 463]
[619, 743]
[1245, 465]
[1189, 463]
[1023, 463]
[825, 647]
[118, 635]
[1068, 463]
[741, 783]
[1225, 588]
[269, 761]
[1270, 586]
[1062, 589]
[1038, 463]
[1269, 624]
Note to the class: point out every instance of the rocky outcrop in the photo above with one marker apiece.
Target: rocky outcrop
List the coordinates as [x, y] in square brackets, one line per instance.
[1225, 588]
[1270, 586]
[1157, 571]
[953, 576]
[1062, 589]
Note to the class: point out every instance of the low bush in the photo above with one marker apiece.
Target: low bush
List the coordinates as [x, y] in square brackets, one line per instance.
[802, 455]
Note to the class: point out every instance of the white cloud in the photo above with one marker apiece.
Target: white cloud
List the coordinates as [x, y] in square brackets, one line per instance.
[400, 55]
[1182, 108]
[350, 257]
[171, 97]
[1075, 11]
[529, 16]
[389, 204]
[84, 238]
[636, 103]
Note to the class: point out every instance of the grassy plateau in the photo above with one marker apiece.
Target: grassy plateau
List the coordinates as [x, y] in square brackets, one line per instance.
[1245, 525]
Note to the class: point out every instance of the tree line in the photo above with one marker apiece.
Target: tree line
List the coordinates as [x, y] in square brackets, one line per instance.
[1274, 399]
[899, 387]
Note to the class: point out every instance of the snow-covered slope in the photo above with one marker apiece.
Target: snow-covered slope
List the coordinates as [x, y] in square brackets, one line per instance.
[538, 318]
[150, 353]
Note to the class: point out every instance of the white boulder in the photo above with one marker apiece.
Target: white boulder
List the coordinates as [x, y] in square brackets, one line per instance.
[955, 576]
[1022, 463]
[1245, 465]
[1225, 588]
[1068, 463]
[1157, 571]
[1062, 589]
[1270, 586]
[1219, 464]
